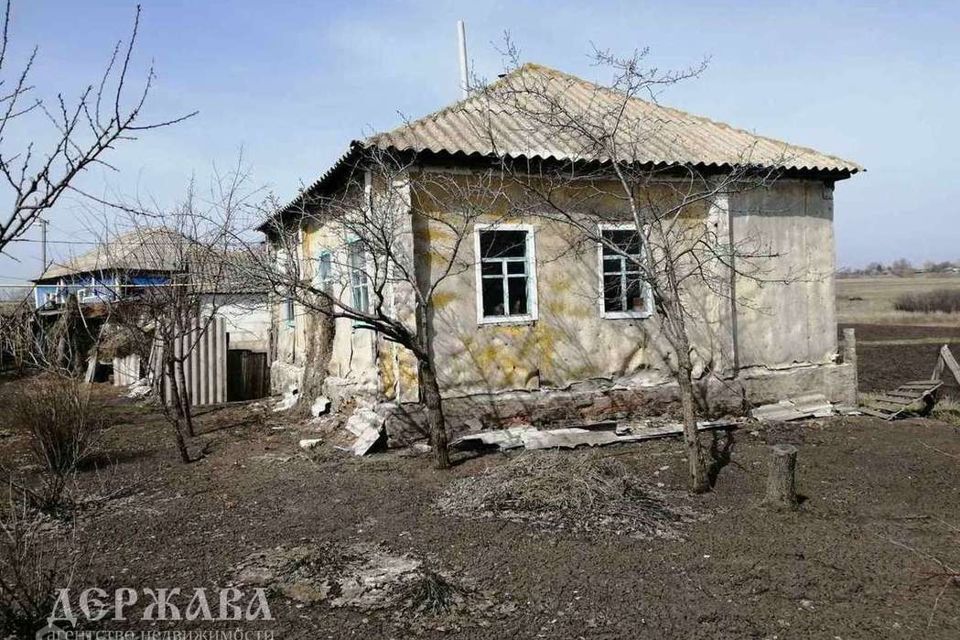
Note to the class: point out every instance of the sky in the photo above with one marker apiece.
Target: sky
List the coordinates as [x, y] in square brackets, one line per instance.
[290, 83]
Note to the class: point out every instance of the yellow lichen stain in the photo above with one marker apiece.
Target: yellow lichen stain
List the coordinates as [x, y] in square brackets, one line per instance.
[442, 299]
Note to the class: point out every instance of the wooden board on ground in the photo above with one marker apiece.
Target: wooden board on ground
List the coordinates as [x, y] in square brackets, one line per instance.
[915, 394]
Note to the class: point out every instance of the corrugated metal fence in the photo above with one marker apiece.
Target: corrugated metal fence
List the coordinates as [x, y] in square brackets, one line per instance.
[203, 350]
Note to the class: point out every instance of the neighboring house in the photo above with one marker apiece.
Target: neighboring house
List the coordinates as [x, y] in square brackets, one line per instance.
[107, 272]
[540, 336]
[118, 270]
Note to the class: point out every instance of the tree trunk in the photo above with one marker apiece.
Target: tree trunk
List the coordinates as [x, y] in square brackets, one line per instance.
[174, 411]
[691, 436]
[186, 411]
[430, 391]
[781, 483]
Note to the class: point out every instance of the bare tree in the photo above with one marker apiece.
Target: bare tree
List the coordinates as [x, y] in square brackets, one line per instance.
[81, 133]
[367, 272]
[189, 247]
[676, 250]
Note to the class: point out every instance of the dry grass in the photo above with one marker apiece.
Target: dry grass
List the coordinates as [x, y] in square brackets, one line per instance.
[947, 410]
[566, 490]
[432, 594]
[871, 299]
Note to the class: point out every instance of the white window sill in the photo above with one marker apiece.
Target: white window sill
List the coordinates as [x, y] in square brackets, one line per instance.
[507, 320]
[626, 315]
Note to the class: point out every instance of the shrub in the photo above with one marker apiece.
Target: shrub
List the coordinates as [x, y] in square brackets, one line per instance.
[943, 300]
[62, 427]
[32, 569]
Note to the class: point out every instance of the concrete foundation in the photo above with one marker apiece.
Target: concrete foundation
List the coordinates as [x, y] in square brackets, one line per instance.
[597, 401]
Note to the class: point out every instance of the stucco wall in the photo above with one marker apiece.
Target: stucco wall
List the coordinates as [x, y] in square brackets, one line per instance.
[777, 324]
[247, 320]
[786, 320]
[794, 320]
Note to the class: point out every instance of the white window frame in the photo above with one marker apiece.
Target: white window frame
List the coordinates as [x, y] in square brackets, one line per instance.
[353, 271]
[647, 292]
[531, 258]
[322, 280]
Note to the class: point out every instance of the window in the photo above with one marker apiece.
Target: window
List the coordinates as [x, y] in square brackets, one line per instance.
[289, 312]
[506, 275]
[622, 290]
[324, 270]
[359, 283]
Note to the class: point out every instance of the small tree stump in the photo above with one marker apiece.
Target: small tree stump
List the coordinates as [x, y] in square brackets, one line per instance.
[781, 486]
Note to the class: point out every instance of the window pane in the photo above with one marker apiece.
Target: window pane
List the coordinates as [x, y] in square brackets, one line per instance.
[611, 265]
[517, 288]
[361, 298]
[635, 299]
[627, 240]
[517, 268]
[491, 268]
[492, 294]
[611, 293]
[503, 244]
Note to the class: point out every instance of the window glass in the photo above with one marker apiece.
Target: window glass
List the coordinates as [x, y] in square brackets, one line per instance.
[359, 282]
[623, 290]
[323, 270]
[505, 273]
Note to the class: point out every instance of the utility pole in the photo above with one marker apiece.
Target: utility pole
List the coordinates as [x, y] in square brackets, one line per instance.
[43, 244]
[464, 73]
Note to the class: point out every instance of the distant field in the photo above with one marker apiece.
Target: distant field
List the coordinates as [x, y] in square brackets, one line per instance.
[869, 300]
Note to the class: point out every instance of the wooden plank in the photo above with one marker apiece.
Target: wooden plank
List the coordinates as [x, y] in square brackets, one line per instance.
[896, 393]
[947, 356]
[875, 413]
[906, 401]
[892, 408]
[920, 384]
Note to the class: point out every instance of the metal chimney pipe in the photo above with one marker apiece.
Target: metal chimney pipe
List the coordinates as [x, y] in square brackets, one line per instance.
[464, 76]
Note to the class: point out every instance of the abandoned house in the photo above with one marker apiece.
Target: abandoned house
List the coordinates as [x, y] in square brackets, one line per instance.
[530, 330]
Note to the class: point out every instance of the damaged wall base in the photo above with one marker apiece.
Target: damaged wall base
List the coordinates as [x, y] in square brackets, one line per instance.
[589, 402]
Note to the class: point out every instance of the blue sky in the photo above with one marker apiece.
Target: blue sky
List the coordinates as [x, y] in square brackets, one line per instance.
[293, 82]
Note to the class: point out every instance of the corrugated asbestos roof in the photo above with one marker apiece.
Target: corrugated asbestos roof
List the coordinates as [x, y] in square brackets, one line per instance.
[147, 249]
[507, 120]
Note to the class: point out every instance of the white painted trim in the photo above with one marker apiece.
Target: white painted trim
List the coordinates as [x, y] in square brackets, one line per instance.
[532, 307]
[648, 293]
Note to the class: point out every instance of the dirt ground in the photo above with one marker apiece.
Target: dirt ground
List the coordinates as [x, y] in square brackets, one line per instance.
[864, 557]
[889, 355]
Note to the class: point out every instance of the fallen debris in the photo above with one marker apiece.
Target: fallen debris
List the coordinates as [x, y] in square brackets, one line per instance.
[320, 406]
[139, 389]
[369, 578]
[589, 435]
[814, 405]
[288, 401]
[310, 443]
[367, 426]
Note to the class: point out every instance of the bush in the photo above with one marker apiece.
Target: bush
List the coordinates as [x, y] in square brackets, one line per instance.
[61, 426]
[32, 568]
[943, 300]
